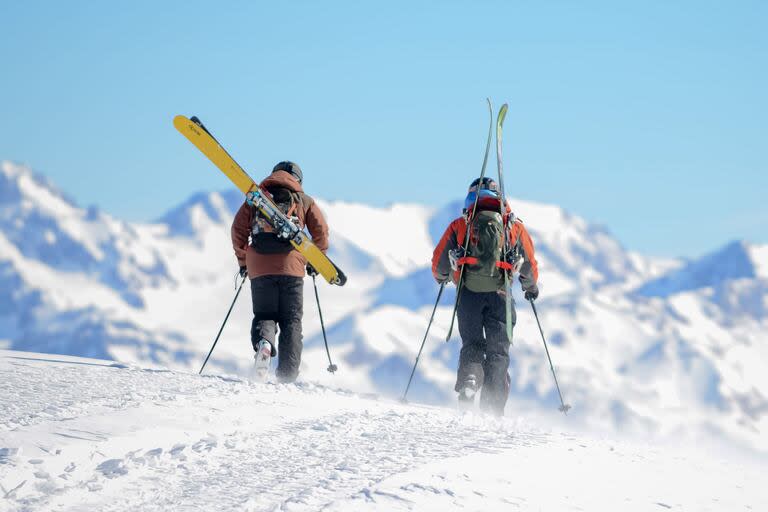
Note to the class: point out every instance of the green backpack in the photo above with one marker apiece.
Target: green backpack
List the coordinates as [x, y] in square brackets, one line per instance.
[482, 272]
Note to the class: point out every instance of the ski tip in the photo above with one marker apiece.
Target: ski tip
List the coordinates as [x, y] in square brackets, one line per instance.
[341, 277]
[503, 112]
[199, 123]
[179, 121]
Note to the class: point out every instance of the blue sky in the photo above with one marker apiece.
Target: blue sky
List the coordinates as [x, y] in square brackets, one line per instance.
[650, 117]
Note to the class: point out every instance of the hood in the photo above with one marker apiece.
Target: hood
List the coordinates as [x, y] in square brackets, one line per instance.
[282, 179]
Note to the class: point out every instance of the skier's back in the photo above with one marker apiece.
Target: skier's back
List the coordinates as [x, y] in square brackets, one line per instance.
[276, 270]
[484, 357]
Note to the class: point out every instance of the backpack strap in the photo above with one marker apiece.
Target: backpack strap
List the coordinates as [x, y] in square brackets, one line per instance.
[303, 203]
[294, 206]
[462, 234]
[466, 260]
[469, 260]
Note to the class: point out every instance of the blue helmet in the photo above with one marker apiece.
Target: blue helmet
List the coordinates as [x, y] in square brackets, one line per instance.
[486, 200]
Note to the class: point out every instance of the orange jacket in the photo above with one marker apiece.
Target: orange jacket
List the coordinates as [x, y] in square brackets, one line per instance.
[288, 264]
[453, 238]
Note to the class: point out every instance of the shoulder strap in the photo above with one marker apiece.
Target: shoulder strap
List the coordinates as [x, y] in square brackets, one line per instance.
[303, 203]
[462, 233]
[295, 202]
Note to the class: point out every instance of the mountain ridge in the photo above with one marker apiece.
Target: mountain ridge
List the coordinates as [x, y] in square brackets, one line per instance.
[629, 357]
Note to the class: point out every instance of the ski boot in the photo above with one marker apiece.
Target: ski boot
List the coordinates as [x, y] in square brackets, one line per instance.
[467, 394]
[262, 359]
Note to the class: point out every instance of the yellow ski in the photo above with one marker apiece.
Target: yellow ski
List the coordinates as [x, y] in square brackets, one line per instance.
[198, 135]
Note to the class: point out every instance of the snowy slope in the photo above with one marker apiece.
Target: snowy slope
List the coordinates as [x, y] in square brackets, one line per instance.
[642, 346]
[83, 434]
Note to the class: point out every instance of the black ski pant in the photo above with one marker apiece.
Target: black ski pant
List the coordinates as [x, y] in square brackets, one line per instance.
[484, 347]
[278, 301]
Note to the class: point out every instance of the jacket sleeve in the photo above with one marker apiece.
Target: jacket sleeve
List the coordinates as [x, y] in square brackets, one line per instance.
[441, 263]
[529, 271]
[241, 230]
[317, 226]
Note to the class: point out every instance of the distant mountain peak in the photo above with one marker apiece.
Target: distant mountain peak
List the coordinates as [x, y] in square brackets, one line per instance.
[19, 181]
[735, 260]
[213, 207]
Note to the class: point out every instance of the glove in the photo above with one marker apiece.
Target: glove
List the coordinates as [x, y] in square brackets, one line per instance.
[532, 293]
[243, 271]
[454, 255]
[443, 279]
[311, 272]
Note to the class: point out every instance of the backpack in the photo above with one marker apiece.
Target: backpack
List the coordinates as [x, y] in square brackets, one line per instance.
[483, 265]
[263, 237]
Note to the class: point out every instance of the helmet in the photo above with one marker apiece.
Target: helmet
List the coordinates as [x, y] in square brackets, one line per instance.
[487, 183]
[291, 168]
[486, 200]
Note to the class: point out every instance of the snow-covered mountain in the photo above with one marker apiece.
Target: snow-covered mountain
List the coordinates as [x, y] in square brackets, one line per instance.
[641, 345]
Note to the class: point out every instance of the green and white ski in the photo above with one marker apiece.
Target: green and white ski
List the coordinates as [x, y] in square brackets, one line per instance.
[502, 208]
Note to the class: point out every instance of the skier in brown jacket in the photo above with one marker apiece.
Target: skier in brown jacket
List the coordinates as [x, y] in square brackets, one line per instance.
[276, 270]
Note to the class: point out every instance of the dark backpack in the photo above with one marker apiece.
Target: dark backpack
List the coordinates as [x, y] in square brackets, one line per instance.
[483, 270]
[263, 238]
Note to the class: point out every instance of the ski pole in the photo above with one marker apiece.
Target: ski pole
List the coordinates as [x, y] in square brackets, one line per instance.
[563, 406]
[223, 324]
[331, 367]
[456, 304]
[442, 287]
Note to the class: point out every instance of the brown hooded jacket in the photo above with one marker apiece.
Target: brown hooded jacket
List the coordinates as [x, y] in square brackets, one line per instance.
[289, 264]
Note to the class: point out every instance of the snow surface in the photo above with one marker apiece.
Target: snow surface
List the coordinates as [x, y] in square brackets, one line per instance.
[644, 347]
[85, 434]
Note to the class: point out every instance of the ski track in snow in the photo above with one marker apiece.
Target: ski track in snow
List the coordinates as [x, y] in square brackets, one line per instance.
[88, 435]
[301, 465]
[308, 464]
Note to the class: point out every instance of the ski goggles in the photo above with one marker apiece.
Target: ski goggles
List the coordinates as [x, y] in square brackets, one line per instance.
[485, 199]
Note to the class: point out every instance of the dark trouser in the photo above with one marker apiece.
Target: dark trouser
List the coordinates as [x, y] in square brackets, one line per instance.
[279, 301]
[485, 347]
